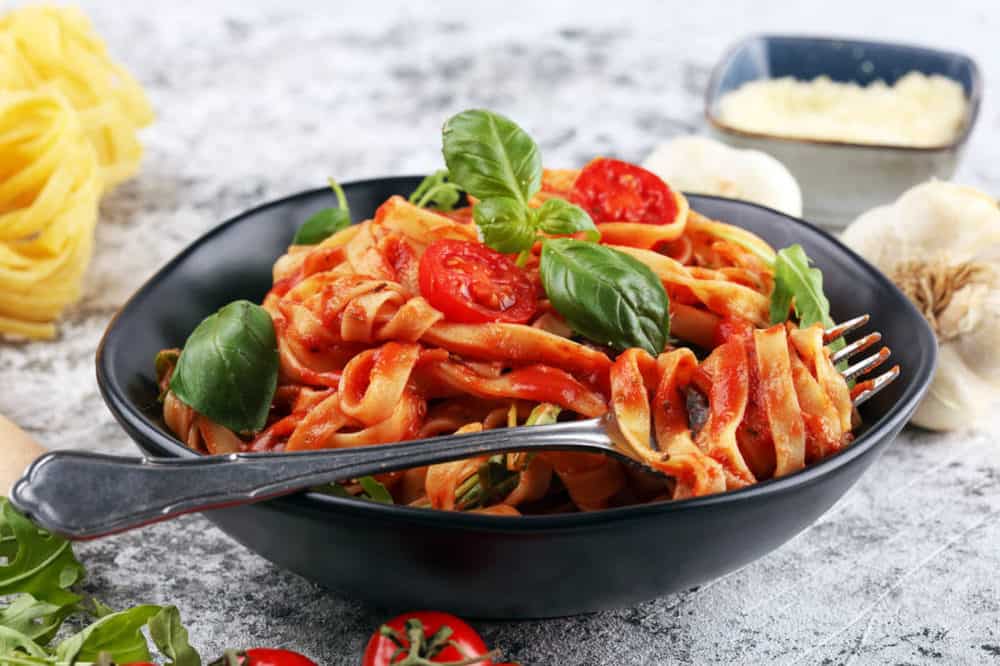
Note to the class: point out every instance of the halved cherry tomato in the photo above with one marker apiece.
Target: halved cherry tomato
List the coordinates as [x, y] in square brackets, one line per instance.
[464, 644]
[473, 284]
[616, 191]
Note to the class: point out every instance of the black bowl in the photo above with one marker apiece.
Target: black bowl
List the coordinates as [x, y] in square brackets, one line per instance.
[488, 566]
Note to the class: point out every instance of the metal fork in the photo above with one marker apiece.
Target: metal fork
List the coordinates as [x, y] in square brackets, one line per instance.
[86, 495]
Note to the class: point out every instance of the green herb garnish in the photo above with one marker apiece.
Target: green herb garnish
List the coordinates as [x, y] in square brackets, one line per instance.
[325, 223]
[497, 162]
[228, 369]
[437, 191]
[39, 571]
[606, 295]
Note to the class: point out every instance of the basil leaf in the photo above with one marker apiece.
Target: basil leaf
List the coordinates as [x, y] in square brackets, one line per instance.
[321, 226]
[504, 224]
[561, 218]
[119, 634]
[606, 295]
[798, 284]
[325, 223]
[375, 490]
[228, 369]
[171, 638]
[37, 563]
[488, 156]
[437, 190]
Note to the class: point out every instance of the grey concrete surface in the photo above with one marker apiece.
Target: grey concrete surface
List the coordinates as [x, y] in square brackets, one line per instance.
[258, 100]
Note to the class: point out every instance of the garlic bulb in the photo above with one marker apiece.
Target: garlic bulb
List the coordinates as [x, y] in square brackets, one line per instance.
[940, 243]
[704, 166]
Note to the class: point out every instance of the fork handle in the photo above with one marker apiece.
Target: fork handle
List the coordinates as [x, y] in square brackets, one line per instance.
[84, 495]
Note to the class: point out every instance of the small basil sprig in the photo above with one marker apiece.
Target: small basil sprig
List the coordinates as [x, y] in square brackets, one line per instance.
[325, 223]
[606, 295]
[228, 369]
[437, 190]
[497, 162]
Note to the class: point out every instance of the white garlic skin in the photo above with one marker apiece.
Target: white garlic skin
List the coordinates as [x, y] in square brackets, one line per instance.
[939, 219]
[704, 166]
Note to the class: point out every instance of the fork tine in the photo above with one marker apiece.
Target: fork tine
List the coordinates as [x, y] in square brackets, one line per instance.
[873, 386]
[838, 330]
[856, 347]
[867, 364]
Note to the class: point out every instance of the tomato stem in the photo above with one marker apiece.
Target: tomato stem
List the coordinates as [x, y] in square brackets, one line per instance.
[422, 649]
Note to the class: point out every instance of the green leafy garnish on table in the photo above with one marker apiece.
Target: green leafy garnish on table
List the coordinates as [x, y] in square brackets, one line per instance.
[325, 223]
[37, 580]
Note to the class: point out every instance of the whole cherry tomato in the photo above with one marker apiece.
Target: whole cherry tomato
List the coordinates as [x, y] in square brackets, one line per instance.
[616, 191]
[263, 657]
[471, 283]
[435, 645]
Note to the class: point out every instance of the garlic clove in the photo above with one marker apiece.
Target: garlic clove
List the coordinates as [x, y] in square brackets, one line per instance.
[955, 399]
[705, 166]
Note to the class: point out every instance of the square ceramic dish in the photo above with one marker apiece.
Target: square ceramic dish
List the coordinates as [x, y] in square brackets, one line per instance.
[840, 180]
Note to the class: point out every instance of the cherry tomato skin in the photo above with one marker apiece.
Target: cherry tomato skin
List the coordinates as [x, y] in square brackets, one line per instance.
[273, 657]
[471, 283]
[616, 191]
[380, 649]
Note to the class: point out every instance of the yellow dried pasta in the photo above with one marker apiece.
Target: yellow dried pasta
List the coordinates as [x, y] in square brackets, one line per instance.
[69, 118]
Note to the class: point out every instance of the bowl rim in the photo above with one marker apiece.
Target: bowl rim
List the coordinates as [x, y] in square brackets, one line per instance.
[141, 429]
[974, 99]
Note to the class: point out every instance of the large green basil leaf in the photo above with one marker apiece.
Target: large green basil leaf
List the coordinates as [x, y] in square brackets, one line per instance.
[228, 370]
[606, 295]
[798, 284]
[119, 634]
[488, 156]
[505, 224]
[561, 218]
[171, 638]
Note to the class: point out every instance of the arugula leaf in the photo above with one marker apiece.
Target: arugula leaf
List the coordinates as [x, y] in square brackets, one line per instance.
[38, 620]
[14, 642]
[38, 563]
[606, 295]
[437, 190]
[323, 224]
[119, 634]
[488, 155]
[561, 218]
[505, 225]
[797, 284]
[228, 369]
[171, 638]
[375, 490]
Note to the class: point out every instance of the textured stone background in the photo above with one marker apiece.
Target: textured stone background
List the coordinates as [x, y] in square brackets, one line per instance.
[258, 100]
